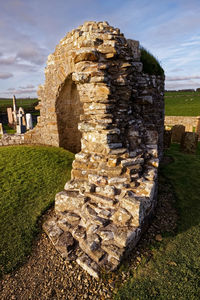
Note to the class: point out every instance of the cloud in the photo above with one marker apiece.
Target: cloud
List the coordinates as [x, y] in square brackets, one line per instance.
[25, 91]
[176, 70]
[191, 43]
[30, 30]
[7, 60]
[186, 85]
[31, 54]
[29, 89]
[28, 86]
[5, 75]
[182, 78]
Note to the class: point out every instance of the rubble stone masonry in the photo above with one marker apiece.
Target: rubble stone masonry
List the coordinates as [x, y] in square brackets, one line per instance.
[97, 103]
[188, 122]
[12, 139]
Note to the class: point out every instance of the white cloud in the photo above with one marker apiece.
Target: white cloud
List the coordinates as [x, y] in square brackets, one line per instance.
[7, 60]
[26, 90]
[175, 86]
[5, 75]
[31, 54]
[191, 43]
[182, 78]
[28, 86]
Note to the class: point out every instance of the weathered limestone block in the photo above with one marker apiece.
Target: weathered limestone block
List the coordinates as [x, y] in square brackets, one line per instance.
[68, 200]
[97, 102]
[177, 133]
[189, 142]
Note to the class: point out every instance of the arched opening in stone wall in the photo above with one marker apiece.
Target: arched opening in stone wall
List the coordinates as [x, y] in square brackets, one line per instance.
[68, 110]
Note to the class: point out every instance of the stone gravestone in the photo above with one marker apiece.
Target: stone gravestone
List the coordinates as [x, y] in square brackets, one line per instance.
[1, 129]
[10, 116]
[29, 122]
[177, 132]
[189, 142]
[14, 110]
[167, 139]
[20, 127]
[21, 111]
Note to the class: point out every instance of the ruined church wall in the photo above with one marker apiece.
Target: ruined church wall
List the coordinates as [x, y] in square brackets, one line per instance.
[97, 102]
[89, 55]
[113, 186]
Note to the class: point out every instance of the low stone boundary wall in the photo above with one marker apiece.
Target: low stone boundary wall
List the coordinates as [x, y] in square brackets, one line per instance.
[12, 139]
[188, 122]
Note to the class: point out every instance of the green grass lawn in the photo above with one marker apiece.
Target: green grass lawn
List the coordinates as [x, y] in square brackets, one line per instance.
[30, 176]
[174, 270]
[27, 103]
[182, 103]
[8, 129]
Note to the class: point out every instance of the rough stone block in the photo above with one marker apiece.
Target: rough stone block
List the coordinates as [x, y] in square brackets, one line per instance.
[68, 201]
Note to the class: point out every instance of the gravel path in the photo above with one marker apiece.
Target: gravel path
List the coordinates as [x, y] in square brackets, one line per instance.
[46, 275]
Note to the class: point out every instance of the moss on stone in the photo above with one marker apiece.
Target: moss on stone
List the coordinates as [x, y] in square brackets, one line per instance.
[151, 65]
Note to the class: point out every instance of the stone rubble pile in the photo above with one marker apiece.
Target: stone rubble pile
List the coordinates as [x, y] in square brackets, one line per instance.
[120, 118]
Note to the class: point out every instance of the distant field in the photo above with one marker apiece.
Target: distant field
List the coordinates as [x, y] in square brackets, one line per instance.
[176, 103]
[182, 103]
[27, 103]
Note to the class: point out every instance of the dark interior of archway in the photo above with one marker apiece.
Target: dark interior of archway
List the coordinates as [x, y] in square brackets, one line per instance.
[68, 110]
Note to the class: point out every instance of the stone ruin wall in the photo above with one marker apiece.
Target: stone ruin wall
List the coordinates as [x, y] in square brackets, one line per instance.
[188, 122]
[97, 103]
[12, 140]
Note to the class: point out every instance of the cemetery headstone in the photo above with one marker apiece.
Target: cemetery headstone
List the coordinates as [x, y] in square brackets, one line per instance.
[177, 132]
[20, 127]
[1, 129]
[29, 122]
[21, 111]
[189, 142]
[10, 116]
[14, 109]
[167, 139]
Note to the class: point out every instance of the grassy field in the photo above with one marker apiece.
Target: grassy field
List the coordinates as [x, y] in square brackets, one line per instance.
[182, 103]
[176, 104]
[174, 270]
[29, 179]
[27, 103]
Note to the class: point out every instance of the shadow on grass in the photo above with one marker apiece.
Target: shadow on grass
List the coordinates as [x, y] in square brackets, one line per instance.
[30, 176]
[184, 176]
[169, 268]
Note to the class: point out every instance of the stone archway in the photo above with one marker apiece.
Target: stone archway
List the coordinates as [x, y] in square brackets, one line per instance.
[68, 111]
[96, 74]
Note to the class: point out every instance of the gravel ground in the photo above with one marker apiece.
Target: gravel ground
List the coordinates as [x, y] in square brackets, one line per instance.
[46, 275]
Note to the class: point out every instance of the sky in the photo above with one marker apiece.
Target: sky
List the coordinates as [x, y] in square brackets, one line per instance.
[31, 29]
